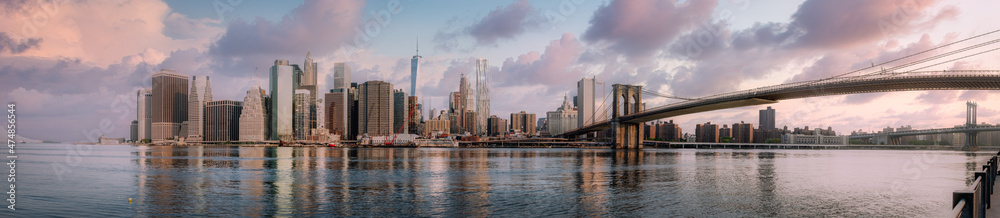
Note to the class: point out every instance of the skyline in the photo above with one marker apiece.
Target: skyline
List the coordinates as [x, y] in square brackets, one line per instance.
[70, 73]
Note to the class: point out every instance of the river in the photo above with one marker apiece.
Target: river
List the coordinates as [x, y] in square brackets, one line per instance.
[99, 180]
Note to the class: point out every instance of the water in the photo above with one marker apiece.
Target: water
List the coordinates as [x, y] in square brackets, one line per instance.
[253, 181]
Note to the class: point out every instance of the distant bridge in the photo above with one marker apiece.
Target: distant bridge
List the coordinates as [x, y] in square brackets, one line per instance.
[890, 82]
[628, 114]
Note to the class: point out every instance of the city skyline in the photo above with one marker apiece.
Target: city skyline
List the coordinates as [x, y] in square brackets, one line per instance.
[69, 74]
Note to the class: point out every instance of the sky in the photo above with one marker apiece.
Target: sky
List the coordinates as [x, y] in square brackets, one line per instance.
[73, 67]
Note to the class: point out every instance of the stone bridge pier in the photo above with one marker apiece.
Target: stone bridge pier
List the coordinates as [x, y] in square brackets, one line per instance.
[628, 100]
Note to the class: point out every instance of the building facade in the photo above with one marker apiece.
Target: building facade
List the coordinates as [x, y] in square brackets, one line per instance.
[523, 122]
[707, 132]
[496, 126]
[341, 76]
[144, 113]
[814, 139]
[222, 120]
[253, 118]
[375, 102]
[400, 112]
[196, 109]
[562, 119]
[301, 120]
[669, 131]
[767, 118]
[338, 107]
[586, 113]
[743, 132]
[169, 105]
[414, 68]
[482, 95]
[283, 83]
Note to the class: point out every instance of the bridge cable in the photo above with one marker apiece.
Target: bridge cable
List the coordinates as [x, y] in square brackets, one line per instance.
[918, 53]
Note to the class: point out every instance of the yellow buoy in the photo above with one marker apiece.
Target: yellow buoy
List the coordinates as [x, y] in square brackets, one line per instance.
[129, 200]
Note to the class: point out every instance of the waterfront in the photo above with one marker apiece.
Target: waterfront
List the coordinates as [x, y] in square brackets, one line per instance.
[268, 181]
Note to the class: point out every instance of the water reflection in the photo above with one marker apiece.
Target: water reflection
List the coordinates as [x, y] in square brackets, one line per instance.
[258, 181]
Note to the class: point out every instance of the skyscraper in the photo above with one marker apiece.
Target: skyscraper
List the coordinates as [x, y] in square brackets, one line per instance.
[375, 102]
[283, 85]
[767, 118]
[169, 106]
[464, 100]
[414, 68]
[222, 120]
[253, 118]
[585, 113]
[196, 109]
[341, 76]
[301, 111]
[482, 95]
[399, 112]
[339, 104]
[309, 82]
[144, 113]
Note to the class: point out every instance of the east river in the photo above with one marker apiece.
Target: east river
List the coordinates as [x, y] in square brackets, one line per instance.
[71, 180]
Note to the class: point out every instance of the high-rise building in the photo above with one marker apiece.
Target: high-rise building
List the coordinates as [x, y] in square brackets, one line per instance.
[707, 132]
[144, 113]
[222, 120]
[311, 83]
[253, 118]
[482, 95]
[562, 119]
[523, 122]
[196, 109]
[338, 109]
[742, 132]
[725, 131]
[464, 103]
[648, 130]
[585, 112]
[496, 126]
[453, 98]
[414, 68]
[375, 102]
[415, 114]
[134, 130]
[283, 82]
[341, 76]
[669, 131]
[469, 121]
[400, 112]
[767, 118]
[301, 110]
[169, 105]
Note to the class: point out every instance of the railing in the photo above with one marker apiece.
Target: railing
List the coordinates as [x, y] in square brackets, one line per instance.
[974, 201]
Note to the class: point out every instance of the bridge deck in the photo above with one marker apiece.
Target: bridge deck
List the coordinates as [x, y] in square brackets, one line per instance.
[888, 82]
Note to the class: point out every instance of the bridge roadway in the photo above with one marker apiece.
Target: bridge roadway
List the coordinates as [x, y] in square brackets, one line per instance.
[883, 82]
[929, 132]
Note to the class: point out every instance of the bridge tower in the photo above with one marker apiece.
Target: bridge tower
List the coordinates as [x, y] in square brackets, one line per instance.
[627, 100]
[971, 137]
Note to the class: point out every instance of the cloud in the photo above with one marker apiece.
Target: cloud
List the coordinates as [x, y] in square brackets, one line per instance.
[637, 29]
[554, 66]
[505, 23]
[832, 24]
[318, 26]
[502, 23]
[13, 46]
